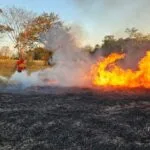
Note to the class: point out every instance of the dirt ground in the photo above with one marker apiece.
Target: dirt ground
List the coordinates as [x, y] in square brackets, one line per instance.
[46, 118]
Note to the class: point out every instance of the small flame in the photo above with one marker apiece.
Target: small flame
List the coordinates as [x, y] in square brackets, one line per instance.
[51, 82]
[107, 73]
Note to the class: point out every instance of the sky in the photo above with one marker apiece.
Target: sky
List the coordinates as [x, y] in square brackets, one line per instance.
[96, 18]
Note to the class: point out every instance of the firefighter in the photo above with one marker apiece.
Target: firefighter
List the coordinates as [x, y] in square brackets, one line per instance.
[21, 65]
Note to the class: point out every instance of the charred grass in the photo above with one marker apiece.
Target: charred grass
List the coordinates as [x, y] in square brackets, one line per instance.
[75, 119]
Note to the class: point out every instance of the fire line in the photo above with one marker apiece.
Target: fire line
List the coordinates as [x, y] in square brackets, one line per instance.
[117, 76]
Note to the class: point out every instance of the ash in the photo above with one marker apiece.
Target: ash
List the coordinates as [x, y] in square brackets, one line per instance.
[52, 118]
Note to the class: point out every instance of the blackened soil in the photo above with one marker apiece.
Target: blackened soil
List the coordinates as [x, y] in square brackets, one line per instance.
[75, 119]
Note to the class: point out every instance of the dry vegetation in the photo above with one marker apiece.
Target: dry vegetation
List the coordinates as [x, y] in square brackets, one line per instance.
[7, 66]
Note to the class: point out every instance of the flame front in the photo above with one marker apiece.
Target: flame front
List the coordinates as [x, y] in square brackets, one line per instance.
[107, 73]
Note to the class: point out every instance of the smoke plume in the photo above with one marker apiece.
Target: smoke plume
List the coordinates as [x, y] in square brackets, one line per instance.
[70, 62]
[135, 11]
[112, 17]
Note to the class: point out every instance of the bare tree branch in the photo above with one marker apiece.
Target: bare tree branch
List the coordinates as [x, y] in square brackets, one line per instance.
[16, 20]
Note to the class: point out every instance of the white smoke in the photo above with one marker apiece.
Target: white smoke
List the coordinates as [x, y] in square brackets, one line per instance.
[24, 79]
[71, 63]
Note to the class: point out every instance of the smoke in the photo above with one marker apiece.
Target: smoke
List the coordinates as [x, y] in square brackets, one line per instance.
[113, 17]
[134, 53]
[107, 17]
[108, 9]
[71, 63]
[24, 80]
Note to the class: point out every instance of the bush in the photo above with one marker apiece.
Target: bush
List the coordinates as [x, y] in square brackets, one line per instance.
[39, 53]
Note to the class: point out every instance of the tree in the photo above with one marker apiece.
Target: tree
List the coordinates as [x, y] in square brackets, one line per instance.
[88, 48]
[25, 28]
[131, 32]
[42, 54]
[39, 53]
[108, 42]
[137, 37]
[97, 47]
[41, 24]
[5, 51]
[4, 29]
[15, 20]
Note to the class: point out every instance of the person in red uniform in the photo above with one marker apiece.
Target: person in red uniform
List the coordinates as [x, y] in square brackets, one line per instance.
[21, 65]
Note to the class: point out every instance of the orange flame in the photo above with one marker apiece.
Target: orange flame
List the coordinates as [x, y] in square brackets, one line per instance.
[107, 73]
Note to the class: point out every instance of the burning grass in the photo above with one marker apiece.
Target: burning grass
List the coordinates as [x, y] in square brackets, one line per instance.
[108, 73]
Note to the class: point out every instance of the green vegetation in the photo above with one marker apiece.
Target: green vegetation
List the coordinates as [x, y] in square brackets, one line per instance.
[40, 53]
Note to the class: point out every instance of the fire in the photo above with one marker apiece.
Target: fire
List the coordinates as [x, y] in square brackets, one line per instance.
[50, 82]
[108, 73]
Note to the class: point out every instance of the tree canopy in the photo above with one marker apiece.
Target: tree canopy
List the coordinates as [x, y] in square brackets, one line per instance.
[23, 27]
[40, 24]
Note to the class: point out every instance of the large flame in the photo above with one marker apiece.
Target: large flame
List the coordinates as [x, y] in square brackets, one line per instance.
[107, 73]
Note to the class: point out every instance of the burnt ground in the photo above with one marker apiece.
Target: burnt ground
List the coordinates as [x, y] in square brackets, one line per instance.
[75, 119]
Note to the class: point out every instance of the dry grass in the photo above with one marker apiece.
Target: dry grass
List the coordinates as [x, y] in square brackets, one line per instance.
[7, 66]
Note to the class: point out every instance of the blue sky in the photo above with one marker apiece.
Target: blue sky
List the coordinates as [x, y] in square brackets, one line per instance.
[61, 7]
[97, 18]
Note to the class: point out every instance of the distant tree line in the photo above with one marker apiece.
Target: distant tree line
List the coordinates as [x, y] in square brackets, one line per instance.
[24, 29]
[135, 42]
